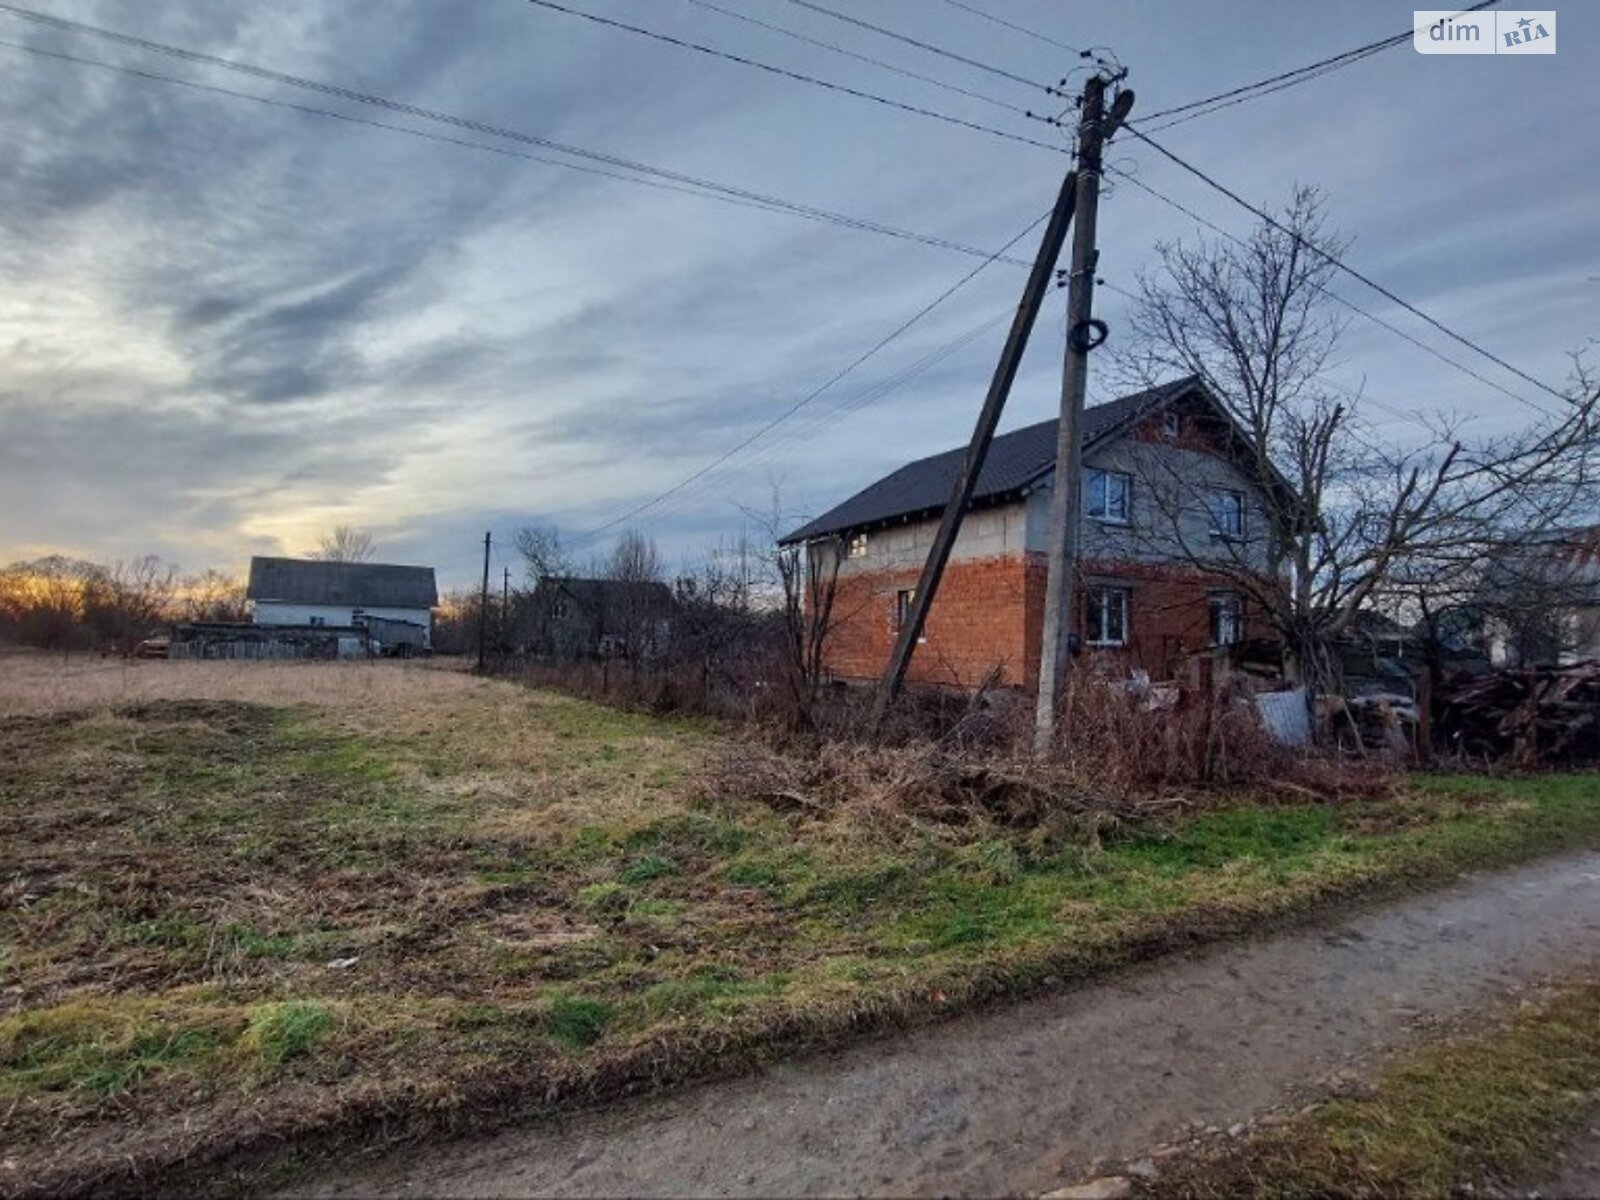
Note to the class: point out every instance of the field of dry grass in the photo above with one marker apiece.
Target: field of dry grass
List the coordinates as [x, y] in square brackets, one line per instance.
[275, 905]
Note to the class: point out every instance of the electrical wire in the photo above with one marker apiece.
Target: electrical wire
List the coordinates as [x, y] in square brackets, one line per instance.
[811, 396]
[866, 58]
[1249, 91]
[1414, 416]
[1335, 296]
[921, 45]
[792, 437]
[658, 177]
[1334, 261]
[1012, 25]
[796, 76]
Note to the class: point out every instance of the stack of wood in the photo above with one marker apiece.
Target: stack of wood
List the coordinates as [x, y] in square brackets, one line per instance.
[1524, 716]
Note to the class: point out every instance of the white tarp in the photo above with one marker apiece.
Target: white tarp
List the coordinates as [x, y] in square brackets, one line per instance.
[1284, 714]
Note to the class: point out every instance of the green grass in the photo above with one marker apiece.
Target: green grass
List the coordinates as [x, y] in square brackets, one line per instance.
[1484, 1109]
[516, 898]
[279, 1032]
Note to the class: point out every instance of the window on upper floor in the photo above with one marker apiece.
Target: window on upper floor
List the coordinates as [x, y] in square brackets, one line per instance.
[1105, 618]
[1227, 513]
[1108, 495]
[858, 545]
[1172, 423]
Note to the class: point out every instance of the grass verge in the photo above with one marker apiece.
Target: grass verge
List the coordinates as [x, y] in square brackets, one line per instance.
[232, 927]
[1483, 1109]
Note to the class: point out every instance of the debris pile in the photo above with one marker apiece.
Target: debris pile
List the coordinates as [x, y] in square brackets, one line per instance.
[1524, 716]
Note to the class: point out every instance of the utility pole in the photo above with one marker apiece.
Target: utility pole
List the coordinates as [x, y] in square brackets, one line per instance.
[483, 604]
[505, 612]
[1066, 500]
[994, 403]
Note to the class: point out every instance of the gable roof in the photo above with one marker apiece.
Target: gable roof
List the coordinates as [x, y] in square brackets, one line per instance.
[597, 596]
[1015, 461]
[311, 581]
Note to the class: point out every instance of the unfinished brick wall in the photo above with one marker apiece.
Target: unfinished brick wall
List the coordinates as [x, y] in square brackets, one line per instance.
[990, 612]
[977, 623]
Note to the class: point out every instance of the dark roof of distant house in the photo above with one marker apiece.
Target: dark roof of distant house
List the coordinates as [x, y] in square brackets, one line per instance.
[596, 594]
[1015, 461]
[360, 585]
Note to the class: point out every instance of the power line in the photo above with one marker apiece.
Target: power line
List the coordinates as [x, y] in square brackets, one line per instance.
[798, 77]
[1415, 417]
[660, 177]
[866, 58]
[1335, 261]
[811, 396]
[1333, 295]
[921, 45]
[868, 396]
[1022, 29]
[1250, 91]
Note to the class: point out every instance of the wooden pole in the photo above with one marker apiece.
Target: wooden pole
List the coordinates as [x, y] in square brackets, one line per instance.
[994, 403]
[1066, 499]
[483, 605]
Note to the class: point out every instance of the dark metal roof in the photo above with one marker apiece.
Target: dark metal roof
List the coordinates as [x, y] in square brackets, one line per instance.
[1015, 460]
[365, 585]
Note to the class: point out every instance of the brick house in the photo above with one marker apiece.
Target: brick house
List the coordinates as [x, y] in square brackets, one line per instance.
[1170, 498]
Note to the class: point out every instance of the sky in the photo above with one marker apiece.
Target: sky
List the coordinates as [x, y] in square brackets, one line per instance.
[227, 326]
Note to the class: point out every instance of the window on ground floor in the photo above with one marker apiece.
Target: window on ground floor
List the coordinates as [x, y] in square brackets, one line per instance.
[1227, 620]
[1106, 618]
[903, 600]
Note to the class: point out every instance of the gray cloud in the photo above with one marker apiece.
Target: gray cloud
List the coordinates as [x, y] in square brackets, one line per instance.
[225, 322]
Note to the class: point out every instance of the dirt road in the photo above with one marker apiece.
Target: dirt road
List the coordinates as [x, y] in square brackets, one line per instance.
[1021, 1099]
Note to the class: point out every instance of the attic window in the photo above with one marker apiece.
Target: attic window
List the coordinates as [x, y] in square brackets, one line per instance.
[858, 545]
[1172, 423]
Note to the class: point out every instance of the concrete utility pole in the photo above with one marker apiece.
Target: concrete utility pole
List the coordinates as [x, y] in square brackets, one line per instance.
[1066, 500]
[505, 612]
[483, 604]
[978, 449]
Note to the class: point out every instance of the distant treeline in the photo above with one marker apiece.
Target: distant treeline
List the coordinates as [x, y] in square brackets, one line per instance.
[59, 603]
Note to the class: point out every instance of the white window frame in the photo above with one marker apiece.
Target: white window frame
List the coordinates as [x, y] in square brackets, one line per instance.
[857, 547]
[1099, 598]
[1103, 479]
[1226, 615]
[1172, 423]
[1214, 507]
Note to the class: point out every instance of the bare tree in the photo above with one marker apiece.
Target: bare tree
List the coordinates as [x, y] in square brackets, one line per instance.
[129, 600]
[42, 602]
[543, 555]
[1345, 514]
[345, 543]
[212, 595]
[639, 602]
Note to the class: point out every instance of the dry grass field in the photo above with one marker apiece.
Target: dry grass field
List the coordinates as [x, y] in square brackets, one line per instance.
[288, 907]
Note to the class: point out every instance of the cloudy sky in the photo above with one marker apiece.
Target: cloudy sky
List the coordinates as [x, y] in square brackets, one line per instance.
[226, 325]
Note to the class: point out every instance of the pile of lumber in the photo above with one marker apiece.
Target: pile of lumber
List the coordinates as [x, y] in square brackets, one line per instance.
[1524, 715]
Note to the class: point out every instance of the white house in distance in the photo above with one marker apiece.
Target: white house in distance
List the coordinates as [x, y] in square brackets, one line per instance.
[393, 603]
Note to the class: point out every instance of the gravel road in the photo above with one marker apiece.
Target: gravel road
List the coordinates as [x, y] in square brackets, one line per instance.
[1022, 1098]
